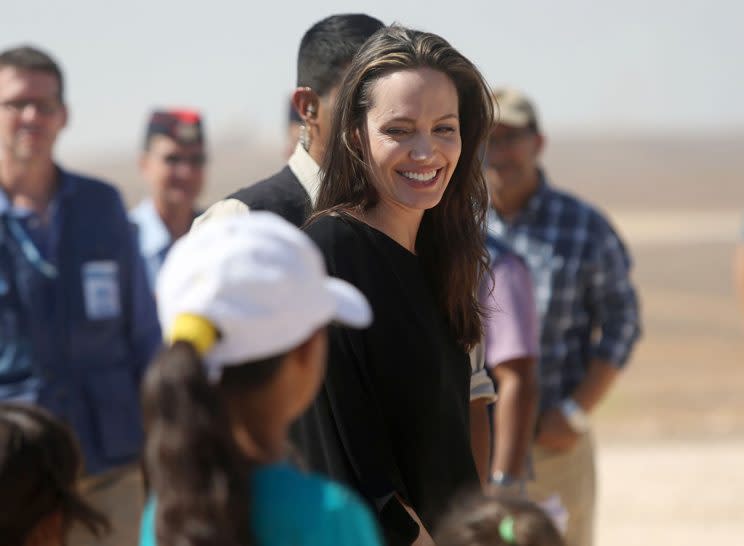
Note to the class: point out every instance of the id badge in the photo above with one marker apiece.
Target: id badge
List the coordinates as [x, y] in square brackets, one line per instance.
[101, 289]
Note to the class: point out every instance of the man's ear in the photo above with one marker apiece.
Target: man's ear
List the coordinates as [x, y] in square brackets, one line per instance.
[65, 116]
[540, 142]
[305, 102]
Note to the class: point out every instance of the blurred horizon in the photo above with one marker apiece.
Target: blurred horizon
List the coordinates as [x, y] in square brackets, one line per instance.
[662, 67]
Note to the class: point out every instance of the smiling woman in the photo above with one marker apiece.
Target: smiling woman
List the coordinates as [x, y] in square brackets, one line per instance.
[400, 215]
[413, 133]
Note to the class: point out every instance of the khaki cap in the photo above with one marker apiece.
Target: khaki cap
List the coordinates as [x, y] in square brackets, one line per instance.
[513, 108]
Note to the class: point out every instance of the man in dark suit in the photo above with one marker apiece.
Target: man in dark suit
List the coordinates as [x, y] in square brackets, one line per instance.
[325, 53]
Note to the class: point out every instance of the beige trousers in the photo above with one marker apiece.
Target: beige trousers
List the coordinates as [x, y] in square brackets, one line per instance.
[119, 494]
[571, 475]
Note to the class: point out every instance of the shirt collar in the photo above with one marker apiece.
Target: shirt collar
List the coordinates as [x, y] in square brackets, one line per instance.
[531, 208]
[535, 203]
[5, 205]
[65, 186]
[154, 237]
[306, 170]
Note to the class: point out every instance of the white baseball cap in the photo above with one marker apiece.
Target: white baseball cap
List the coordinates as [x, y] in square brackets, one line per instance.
[260, 281]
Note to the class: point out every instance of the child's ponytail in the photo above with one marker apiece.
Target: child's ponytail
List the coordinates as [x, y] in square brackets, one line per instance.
[196, 471]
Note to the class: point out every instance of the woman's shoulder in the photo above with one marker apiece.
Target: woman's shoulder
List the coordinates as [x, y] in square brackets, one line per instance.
[342, 240]
[333, 229]
[308, 509]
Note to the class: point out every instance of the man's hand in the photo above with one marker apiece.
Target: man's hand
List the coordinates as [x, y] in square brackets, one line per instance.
[554, 432]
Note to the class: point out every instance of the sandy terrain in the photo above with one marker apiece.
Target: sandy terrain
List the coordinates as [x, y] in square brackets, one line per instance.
[671, 493]
[672, 431]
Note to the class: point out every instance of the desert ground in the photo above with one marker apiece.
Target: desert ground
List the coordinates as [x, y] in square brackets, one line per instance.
[671, 433]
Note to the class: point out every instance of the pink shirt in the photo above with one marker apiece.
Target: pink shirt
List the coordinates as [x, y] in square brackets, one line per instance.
[511, 327]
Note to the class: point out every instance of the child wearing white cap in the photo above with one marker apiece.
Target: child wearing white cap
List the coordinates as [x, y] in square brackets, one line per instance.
[244, 302]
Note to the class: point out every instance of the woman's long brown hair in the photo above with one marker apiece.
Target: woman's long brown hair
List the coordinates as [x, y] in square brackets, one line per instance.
[450, 241]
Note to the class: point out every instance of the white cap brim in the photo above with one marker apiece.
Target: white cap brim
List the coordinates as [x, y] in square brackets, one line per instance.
[352, 308]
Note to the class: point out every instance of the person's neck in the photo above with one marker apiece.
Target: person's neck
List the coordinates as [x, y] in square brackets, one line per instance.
[509, 202]
[177, 219]
[29, 185]
[261, 435]
[316, 152]
[398, 223]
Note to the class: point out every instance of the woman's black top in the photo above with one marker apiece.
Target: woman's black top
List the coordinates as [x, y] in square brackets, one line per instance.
[393, 413]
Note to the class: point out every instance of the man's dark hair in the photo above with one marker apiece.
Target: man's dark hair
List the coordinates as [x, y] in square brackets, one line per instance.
[328, 46]
[31, 58]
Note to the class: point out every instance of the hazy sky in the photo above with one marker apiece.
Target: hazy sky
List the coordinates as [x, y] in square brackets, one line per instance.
[660, 65]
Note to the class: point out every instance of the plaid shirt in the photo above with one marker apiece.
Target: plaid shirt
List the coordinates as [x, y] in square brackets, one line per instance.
[586, 303]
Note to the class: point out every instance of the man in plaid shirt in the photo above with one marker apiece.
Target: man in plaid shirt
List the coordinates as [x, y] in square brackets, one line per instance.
[587, 306]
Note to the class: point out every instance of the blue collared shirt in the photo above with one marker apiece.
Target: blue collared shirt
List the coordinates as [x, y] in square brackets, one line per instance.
[77, 319]
[155, 240]
[41, 229]
[587, 305]
[36, 236]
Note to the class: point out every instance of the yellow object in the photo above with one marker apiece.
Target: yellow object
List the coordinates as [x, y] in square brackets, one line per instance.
[198, 331]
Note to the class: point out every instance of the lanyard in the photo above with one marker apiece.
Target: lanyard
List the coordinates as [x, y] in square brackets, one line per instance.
[29, 249]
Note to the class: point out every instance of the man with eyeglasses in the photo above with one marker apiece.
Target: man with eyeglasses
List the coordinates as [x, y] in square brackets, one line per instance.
[172, 163]
[78, 322]
[587, 306]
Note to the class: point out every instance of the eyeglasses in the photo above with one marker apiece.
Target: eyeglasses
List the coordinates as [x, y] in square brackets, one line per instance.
[195, 160]
[44, 107]
[509, 139]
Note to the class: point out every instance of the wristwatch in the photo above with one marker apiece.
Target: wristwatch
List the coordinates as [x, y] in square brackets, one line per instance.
[506, 482]
[577, 418]
[503, 479]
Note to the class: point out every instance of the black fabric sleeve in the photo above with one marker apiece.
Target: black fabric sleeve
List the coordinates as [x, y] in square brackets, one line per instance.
[397, 525]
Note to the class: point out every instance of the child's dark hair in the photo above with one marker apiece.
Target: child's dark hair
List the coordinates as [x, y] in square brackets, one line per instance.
[40, 464]
[196, 471]
[479, 520]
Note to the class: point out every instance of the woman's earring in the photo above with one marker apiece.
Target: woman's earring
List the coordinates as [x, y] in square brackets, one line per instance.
[305, 138]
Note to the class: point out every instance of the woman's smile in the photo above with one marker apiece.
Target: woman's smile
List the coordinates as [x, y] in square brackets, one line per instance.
[421, 178]
[414, 135]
